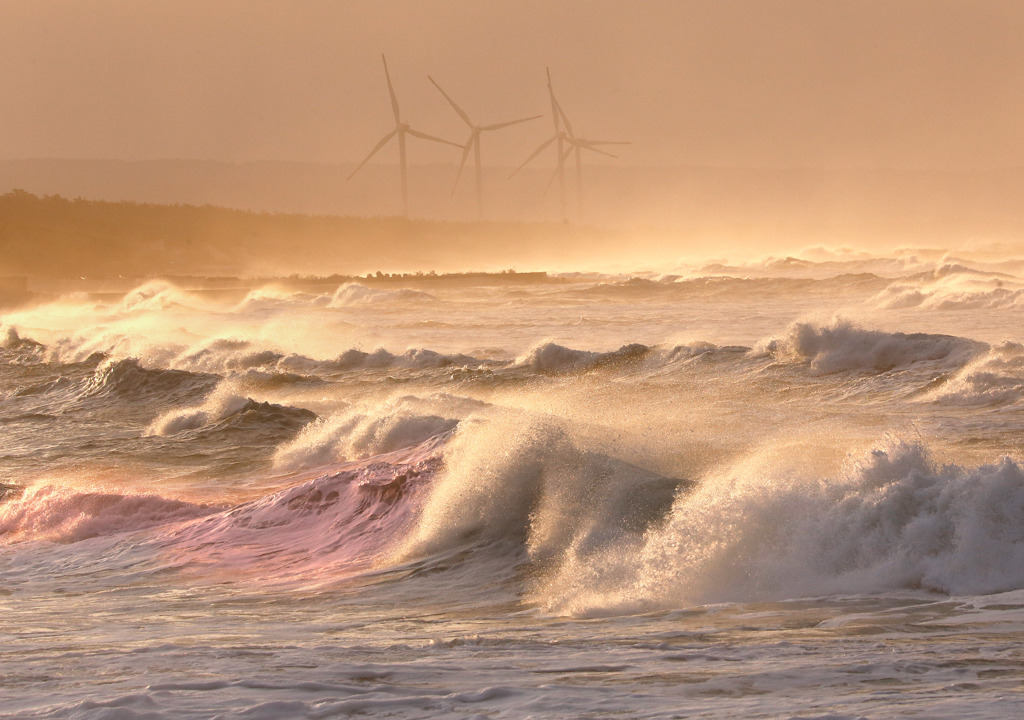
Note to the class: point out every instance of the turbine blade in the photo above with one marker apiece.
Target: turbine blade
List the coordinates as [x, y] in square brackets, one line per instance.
[535, 153]
[561, 114]
[498, 126]
[554, 103]
[556, 108]
[460, 111]
[594, 149]
[424, 136]
[558, 168]
[391, 90]
[462, 163]
[378, 146]
[566, 154]
[591, 145]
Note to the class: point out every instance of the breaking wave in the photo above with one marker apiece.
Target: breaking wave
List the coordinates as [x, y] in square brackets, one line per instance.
[363, 432]
[587, 533]
[331, 526]
[381, 359]
[354, 294]
[525, 485]
[222, 355]
[155, 295]
[319, 530]
[993, 378]
[841, 346]
[953, 287]
[552, 358]
[62, 514]
[127, 379]
[232, 356]
[893, 521]
[14, 348]
[273, 297]
[224, 409]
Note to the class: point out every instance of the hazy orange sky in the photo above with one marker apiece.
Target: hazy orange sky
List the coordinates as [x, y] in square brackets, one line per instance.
[908, 83]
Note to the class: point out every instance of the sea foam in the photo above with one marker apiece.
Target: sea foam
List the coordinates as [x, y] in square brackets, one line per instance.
[355, 294]
[995, 377]
[364, 431]
[892, 521]
[842, 346]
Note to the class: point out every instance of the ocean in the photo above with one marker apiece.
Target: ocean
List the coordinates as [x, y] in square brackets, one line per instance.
[785, 488]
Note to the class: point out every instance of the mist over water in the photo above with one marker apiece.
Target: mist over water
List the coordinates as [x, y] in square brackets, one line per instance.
[437, 499]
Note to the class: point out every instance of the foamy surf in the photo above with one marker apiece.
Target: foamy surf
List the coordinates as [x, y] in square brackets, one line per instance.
[685, 488]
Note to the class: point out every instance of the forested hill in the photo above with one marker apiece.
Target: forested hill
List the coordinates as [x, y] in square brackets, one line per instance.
[55, 236]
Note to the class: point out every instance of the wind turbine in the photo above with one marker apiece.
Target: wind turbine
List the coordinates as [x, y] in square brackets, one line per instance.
[559, 137]
[567, 144]
[473, 143]
[575, 146]
[401, 130]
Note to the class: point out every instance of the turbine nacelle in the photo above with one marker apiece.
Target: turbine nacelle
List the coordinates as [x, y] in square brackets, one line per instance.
[473, 143]
[401, 130]
[567, 143]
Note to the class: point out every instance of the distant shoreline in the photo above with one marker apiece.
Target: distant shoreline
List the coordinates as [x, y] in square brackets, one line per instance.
[51, 238]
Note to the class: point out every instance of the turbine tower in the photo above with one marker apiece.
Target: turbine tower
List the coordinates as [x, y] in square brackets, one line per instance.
[567, 144]
[558, 137]
[574, 146]
[473, 143]
[401, 130]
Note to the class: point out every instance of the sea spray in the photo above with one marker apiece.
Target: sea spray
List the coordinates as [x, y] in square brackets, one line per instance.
[761, 529]
[518, 482]
[627, 450]
[372, 429]
[355, 294]
[224, 406]
[841, 346]
[994, 378]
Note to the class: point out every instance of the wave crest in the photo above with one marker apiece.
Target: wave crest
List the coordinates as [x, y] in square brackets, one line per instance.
[363, 432]
[225, 409]
[154, 295]
[355, 294]
[17, 349]
[319, 530]
[413, 359]
[841, 346]
[511, 481]
[893, 521]
[126, 378]
[953, 287]
[62, 514]
[994, 378]
[553, 358]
